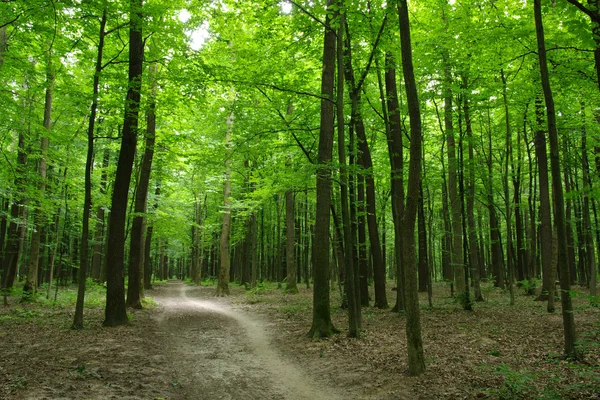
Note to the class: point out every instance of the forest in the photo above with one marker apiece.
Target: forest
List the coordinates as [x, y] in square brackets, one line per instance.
[374, 199]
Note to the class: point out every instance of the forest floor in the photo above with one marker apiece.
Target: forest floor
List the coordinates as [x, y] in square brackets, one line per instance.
[188, 344]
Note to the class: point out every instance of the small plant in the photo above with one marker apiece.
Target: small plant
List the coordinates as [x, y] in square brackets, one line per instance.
[494, 353]
[19, 382]
[517, 384]
[462, 299]
[529, 286]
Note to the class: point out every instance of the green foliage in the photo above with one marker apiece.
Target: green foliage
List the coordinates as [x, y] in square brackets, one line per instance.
[260, 289]
[462, 299]
[517, 384]
[293, 308]
[529, 286]
[209, 281]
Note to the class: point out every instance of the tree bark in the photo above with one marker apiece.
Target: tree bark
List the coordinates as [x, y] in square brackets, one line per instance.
[457, 261]
[571, 351]
[115, 313]
[136, 242]
[290, 253]
[416, 358]
[223, 284]
[87, 203]
[352, 294]
[547, 292]
[396, 156]
[322, 326]
[472, 229]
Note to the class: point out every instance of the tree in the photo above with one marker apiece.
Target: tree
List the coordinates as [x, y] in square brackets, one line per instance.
[137, 243]
[416, 359]
[571, 351]
[87, 203]
[322, 326]
[115, 313]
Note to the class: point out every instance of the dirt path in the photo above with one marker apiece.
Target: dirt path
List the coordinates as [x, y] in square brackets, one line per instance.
[223, 353]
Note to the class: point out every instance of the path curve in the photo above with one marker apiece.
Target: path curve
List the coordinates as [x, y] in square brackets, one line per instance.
[221, 352]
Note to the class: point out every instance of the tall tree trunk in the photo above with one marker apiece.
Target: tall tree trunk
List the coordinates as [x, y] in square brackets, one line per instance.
[87, 203]
[587, 222]
[291, 286]
[322, 326]
[507, 203]
[396, 156]
[416, 358]
[496, 244]
[570, 336]
[549, 278]
[367, 164]
[352, 294]
[223, 284]
[136, 242]
[31, 282]
[98, 248]
[472, 230]
[17, 213]
[115, 313]
[457, 260]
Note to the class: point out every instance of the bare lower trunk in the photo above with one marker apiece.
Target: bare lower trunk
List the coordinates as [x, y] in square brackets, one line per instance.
[223, 284]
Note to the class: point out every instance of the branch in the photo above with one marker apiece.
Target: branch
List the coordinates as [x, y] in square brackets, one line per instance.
[593, 15]
[371, 56]
[112, 61]
[275, 87]
[312, 16]
[116, 28]
[287, 124]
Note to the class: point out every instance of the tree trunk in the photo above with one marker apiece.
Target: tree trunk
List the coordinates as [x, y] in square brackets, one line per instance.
[416, 359]
[115, 313]
[290, 253]
[352, 294]
[17, 213]
[31, 282]
[396, 156]
[322, 326]
[547, 292]
[496, 244]
[457, 261]
[472, 229]
[223, 284]
[137, 242]
[87, 203]
[507, 202]
[571, 351]
[587, 222]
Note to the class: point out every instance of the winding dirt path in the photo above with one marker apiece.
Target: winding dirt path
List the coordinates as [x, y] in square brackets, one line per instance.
[220, 352]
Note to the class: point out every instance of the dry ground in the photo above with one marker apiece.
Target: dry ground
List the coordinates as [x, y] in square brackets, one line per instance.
[252, 345]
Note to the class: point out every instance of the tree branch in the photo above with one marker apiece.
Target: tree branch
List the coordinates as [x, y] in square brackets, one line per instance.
[593, 15]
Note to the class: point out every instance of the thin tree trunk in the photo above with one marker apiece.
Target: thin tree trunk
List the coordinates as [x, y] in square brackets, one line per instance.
[457, 261]
[472, 230]
[223, 284]
[507, 202]
[31, 282]
[547, 292]
[571, 351]
[349, 282]
[87, 203]
[416, 358]
[396, 156]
